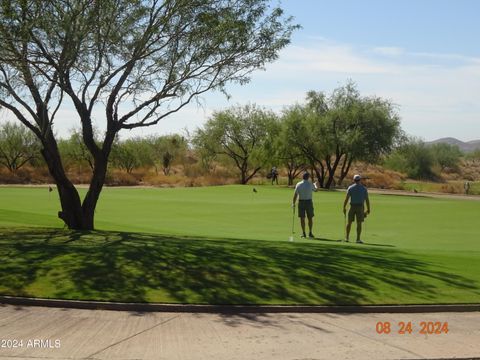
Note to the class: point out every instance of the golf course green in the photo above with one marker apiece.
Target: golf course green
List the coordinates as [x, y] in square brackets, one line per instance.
[230, 245]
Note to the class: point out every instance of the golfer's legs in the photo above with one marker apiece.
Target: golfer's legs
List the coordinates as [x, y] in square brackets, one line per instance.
[359, 229]
[302, 222]
[310, 224]
[349, 226]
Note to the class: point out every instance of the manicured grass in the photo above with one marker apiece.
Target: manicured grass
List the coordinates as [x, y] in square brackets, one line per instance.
[230, 245]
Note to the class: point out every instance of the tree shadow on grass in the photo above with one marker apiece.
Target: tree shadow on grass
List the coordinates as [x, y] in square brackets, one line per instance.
[139, 267]
[351, 242]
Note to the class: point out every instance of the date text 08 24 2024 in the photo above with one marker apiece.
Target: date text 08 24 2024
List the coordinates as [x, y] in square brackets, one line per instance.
[403, 328]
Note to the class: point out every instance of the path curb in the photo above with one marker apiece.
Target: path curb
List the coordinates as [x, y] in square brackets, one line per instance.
[225, 309]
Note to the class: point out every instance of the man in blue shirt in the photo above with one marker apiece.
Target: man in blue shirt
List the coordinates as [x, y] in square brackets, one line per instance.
[358, 195]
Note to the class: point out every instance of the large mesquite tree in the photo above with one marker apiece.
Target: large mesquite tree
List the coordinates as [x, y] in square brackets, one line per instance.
[334, 131]
[134, 61]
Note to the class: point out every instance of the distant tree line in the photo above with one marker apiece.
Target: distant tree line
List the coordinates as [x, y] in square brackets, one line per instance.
[19, 147]
[326, 135]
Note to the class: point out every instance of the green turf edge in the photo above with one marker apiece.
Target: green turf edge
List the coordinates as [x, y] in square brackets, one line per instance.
[141, 267]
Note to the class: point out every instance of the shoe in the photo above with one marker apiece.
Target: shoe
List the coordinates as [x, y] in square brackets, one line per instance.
[346, 240]
[359, 242]
[303, 236]
[311, 236]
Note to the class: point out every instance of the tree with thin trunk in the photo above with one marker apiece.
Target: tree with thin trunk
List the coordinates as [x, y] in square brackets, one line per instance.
[242, 135]
[167, 149]
[134, 62]
[18, 146]
[288, 152]
[303, 129]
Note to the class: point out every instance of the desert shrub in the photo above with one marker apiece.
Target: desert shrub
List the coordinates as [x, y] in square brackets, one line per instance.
[120, 178]
[470, 169]
[451, 188]
[195, 170]
[381, 180]
[26, 175]
[163, 180]
[446, 156]
[413, 158]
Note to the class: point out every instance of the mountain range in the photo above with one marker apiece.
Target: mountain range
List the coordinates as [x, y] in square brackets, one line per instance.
[464, 146]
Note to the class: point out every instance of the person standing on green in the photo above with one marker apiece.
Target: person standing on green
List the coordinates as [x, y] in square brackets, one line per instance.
[304, 192]
[274, 174]
[358, 195]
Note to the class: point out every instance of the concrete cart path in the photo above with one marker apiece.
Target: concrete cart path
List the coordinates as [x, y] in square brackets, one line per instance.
[101, 334]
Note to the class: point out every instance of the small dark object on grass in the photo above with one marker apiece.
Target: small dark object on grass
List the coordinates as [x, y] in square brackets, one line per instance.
[415, 191]
[254, 190]
[50, 189]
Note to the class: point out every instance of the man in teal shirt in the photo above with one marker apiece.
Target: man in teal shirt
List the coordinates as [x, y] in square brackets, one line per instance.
[358, 195]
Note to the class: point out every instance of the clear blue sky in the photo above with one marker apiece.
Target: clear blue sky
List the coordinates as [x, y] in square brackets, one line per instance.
[439, 26]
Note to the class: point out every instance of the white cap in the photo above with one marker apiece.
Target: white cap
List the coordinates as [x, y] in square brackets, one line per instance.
[356, 177]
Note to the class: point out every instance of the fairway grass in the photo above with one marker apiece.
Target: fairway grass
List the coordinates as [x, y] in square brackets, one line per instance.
[229, 245]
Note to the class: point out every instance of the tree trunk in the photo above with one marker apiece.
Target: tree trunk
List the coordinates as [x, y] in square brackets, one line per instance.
[252, 174]
[71, 212]
[243, 179]
[290, 177]
[77, 216]
[98, 180]
[293, 170]
[347, 162]
[320, 174]
[96, 185]
[332, 169]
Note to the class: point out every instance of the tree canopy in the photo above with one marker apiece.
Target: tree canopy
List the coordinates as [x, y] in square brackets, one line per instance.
[332, 131]
[242, 135]
[136, 61]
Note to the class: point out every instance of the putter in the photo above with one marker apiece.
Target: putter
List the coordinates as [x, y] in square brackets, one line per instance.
[293, 225]
[365, 225]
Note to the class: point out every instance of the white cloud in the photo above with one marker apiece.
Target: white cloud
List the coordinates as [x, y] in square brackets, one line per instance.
[451, 57]
[324, 58]
[389, 51]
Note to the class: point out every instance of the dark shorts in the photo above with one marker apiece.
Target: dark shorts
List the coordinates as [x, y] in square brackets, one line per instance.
[305, 207]
[356, 211]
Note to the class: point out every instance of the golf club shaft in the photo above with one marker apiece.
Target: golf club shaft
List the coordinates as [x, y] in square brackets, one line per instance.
[365, 228]
[293, 220]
